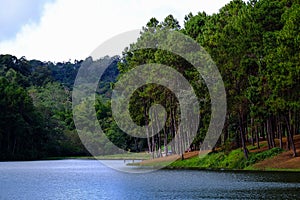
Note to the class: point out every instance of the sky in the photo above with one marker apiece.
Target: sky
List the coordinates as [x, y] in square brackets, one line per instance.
[65, 30]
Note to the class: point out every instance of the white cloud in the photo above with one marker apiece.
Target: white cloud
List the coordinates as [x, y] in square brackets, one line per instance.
[15, 13]
[72, 29]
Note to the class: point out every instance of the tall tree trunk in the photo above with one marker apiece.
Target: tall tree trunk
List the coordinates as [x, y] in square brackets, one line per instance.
[257, 137]
[226, 132]
[270, 132]
[166, 141]
[243, 137]
[153, 143]
[245, 150]
[266, 128]
[147, 130]
[173, 119]
[280, 135]
[291, 140]
[288, 144]
[251, 131]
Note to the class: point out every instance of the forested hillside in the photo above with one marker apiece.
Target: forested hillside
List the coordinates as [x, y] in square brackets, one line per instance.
[255, 46]
[36, 116]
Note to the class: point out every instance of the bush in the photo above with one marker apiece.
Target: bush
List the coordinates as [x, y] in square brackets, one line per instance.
[256, 157]
[234, 160]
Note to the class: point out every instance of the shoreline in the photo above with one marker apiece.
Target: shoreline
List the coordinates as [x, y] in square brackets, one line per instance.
[231, 170]
[269, 170]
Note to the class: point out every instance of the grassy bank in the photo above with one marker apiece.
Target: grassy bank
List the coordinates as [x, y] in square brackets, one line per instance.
[220, 160]
[265, 159]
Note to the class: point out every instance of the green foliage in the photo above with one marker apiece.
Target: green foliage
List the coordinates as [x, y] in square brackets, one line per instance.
[20, 125]
[234, 160]
[219, 160]
[254, 158]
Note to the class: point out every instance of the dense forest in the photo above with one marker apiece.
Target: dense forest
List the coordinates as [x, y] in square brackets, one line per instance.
[255, 46]
[36, 108]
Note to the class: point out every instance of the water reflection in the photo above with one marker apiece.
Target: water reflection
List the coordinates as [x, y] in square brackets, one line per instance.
[90, 179]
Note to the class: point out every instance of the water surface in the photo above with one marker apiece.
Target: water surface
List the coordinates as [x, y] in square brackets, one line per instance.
[89, 179]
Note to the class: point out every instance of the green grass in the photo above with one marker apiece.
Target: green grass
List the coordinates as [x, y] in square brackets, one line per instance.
[219, 160]
[256, 157]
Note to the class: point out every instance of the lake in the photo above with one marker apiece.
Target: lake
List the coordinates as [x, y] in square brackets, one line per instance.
[90, 179]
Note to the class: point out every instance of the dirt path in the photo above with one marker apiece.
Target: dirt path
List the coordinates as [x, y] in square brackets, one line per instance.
[284, 160]
[171, 158]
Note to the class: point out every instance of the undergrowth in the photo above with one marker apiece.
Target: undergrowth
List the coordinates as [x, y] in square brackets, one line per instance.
[221, 160]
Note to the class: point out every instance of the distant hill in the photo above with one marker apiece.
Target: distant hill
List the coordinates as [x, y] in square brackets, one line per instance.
[36, 110]
[35, 72]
